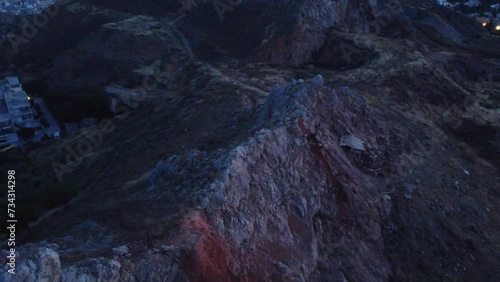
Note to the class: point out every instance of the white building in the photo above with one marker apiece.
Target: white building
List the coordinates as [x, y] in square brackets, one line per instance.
[8, 134]
[15, 111]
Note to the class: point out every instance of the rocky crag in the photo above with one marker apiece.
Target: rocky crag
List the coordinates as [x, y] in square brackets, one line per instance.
[246, 165]
[286, 204]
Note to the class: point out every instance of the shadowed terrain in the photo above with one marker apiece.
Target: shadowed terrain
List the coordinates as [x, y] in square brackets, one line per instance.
[232, 168]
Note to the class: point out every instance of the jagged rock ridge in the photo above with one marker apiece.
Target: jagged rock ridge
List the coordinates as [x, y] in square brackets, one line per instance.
[288, 204]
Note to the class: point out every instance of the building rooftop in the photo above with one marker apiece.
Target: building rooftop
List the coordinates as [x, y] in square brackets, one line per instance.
[13, 94]
[16, 100]
[13, 82]
[4, 117]
[4, 112]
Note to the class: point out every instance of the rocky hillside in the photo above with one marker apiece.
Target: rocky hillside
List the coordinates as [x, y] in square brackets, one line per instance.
[285, 141]
[283, 205]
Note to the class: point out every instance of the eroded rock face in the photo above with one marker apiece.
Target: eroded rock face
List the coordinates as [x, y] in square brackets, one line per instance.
[288, 204]
[292, 197]
[287, 32]
[43, 265]
[104, 45]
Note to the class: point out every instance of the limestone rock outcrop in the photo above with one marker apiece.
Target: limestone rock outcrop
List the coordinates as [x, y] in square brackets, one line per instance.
[288, 204]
